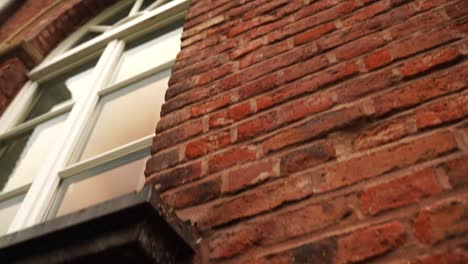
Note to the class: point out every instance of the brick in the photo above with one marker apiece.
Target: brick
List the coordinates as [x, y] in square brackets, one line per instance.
[370, 242]
[454, 256]
[282, 226]
[377, 59]
[358, 88]
[442, 111]
[422, 42]
[176, 135]
[385, 132]
[231, 115]
[264, 53]
[371, 25]
[246, 48]
[307, 106]
[278, 62]
[175, 177]
[313, 128]
[457, 171]
[314, 8]
[422, 90]
[366, 13]
[359, 47]
[429, 61]
[429, 4]
[231, 157]
[307, 67]
[260, 124]
[246, 25]
[202, 26]
[269, 7]
[162, 161]
[189, 97]
[171, 120]
[306, 157]
[315, 82]
[383, 161]
[457, 9]
[208, 144]
[313, 33]
[249, 175]
[399, 192]
[261, 85]
[441, 222]
[359, 246]
[417, 23]
[214, 74]
[196, 194]
[210, 105]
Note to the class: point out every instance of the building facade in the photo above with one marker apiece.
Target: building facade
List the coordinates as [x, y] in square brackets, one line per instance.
[289, 131]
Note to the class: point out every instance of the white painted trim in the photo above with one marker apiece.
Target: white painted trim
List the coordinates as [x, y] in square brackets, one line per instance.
[18, 107]
[108, 156]
[15, 192]
[159, 17]
[31, 124]
[141, 76]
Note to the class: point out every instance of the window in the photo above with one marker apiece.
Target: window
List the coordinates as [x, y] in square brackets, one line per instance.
[80, 132]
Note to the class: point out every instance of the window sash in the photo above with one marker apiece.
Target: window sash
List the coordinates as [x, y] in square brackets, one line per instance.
[41, 193]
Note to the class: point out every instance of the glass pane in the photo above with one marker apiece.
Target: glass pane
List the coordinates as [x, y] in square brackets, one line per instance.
[129, 114]
[103, 186]
[22, 157]
[155, 49]
[8, 210]
[60, 89]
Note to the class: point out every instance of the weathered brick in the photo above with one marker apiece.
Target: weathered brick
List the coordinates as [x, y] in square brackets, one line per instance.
[313, 33]
[369, 242]
[258, 125]
[208, 144]
[457, 171]
[454, 256]
[366, 13]
[175, 177]
[307, 67]
[306, 157]
[286, 225]
[313, 128]
[230, 157]
[196, 194]
[249, 175]
[210, 105]
[261, 85]
[246, 25]
[385, 132]
[442, 111]
[162, 161]
[422, 90]
[230, 115]
[441, 222]
[417, 23]
[429, 61]
[378, 59]
[383, 161]
[307, 106]
[264, 53]
[359, 47]
[176, 135]
[399, 192]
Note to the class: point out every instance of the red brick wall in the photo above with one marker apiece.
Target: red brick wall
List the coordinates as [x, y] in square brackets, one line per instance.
[328, 131]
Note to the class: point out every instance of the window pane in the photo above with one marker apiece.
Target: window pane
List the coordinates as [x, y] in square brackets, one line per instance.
[103, 187]
[8, 210]
[127, 115]
[60, 89]
[156, 49]
[22, 157]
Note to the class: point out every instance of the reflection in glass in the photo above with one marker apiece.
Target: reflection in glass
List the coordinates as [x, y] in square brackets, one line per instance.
[8, 210]
[127, 115]
[22, 157]
[154, 49]
[103, 186]
[60, 89]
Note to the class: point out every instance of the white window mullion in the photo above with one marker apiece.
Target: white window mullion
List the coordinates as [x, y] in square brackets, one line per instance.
[18, 107]
[46, 182]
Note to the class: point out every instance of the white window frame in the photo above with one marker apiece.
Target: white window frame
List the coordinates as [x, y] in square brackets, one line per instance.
[110, 44]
